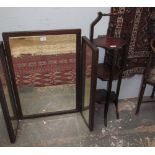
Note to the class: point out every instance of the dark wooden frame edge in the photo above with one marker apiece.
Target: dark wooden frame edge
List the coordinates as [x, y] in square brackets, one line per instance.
[12, 134]
[77, 32]
[95, 53]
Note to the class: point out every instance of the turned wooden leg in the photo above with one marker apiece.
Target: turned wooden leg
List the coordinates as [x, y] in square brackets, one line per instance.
[153, 90]
[117, 95]
[116, 106]
[106, 113]
[140, 97]
[107, 101]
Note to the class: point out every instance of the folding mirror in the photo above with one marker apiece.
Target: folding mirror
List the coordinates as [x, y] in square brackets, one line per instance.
[45, 68]
[7, 101]
[89, 79]
[3, 129]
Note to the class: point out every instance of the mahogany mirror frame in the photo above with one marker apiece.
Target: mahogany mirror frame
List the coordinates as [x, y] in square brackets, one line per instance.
[11, 131]
[77, 32]
[95, 53]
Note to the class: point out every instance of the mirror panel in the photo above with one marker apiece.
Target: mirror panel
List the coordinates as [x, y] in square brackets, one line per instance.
[6, 97]
[87, 86]
[90, 58]
[45, 68]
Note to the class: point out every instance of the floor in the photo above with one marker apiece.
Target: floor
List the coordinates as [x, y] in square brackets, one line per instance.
[70, 129]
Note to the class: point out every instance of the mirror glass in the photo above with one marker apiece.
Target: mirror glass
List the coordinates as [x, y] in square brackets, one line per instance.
[87, 85]
[8, 97]
[45, 72]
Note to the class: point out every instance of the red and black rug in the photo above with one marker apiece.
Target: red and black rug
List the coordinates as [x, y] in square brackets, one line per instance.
[134, 27]
[45, 70]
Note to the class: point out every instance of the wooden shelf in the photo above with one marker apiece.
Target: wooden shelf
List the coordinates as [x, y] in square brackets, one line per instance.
[109, 42]
[101, 96]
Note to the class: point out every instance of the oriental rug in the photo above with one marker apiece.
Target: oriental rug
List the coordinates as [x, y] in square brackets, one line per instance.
[45, 70]
[133, 26]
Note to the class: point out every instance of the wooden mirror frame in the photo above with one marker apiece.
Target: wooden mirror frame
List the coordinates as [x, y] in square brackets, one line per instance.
[6, 113]
[77, 32]
[95, 53]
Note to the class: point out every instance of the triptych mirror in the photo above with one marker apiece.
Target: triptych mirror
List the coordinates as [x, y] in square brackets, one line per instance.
[44, 73]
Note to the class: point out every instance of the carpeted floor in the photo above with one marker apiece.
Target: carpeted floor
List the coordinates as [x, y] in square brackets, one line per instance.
[70, 130]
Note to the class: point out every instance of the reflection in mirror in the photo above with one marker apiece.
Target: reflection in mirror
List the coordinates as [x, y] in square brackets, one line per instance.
[8, 97]
[87, 86]
[45, 72]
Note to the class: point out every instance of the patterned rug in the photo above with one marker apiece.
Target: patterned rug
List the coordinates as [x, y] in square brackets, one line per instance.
[45, 70]
[133, 26]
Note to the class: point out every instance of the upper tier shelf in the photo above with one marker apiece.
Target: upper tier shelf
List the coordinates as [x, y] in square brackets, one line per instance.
[109, 42]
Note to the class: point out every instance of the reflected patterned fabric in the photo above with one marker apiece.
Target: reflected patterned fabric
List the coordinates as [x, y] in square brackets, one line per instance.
[45, 70]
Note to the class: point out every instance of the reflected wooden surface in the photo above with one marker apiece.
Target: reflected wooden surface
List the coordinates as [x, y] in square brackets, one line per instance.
[43, 45]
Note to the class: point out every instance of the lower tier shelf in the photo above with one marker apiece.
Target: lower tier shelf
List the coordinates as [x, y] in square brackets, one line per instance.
[101, 96]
